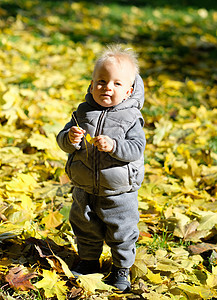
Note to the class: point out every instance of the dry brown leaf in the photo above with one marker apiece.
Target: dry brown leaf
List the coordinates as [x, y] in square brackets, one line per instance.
[19, 278]
[75, 292]
[64, 179]
[202, 247]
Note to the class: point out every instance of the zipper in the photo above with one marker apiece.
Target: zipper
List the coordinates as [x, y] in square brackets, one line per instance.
[97, 153]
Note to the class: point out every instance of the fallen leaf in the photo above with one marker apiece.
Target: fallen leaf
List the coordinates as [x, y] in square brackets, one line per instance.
[56, 262]
[22, 183]
[211, 280]
[19, 278]
[202, 247]
[139, 268]
[154, 296]
[52, 220]
[153, 277]
[208, 221]
[64, 179]
[203, 292]
[93, 282]
[75, 292]
[46, 65]
[189, 230]
[52, 285]
[162, 128]
[167, 265]
[60, 266]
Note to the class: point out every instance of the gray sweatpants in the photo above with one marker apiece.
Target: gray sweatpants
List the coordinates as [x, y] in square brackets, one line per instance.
[112, 219]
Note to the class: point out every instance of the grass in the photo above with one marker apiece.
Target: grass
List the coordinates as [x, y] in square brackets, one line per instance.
[163, 241]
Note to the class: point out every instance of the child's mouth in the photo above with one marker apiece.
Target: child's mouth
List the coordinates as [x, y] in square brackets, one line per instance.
[106, 95]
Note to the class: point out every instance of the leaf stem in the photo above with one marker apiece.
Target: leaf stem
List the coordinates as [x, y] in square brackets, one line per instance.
[75, 120]
[85, 140]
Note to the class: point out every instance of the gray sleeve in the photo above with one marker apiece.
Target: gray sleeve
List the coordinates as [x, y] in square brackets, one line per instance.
[132, 147]
[63, 139]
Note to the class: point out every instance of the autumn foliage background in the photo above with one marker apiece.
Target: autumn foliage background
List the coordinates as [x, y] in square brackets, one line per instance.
[47, 52]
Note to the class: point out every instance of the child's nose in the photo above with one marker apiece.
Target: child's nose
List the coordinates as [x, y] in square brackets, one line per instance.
[108, 86]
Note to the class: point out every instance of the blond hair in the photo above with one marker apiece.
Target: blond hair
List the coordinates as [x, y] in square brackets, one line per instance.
[116, 53]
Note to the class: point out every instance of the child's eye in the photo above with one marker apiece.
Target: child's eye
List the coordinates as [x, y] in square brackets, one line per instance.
[118, 83]
[101, 81]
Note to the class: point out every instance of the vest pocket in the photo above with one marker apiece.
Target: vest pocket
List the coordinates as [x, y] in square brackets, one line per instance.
[115, 178]
[80, 175]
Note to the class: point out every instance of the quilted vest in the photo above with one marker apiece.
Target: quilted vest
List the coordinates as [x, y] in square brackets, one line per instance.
[98, 172]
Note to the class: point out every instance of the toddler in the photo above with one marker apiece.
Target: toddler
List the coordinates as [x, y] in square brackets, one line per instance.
[107, 173]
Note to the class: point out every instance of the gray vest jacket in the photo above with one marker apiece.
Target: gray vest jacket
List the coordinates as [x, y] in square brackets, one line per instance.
[104, 173]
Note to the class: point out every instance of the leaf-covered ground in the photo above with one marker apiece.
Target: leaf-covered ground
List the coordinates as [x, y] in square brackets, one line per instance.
[46, 58]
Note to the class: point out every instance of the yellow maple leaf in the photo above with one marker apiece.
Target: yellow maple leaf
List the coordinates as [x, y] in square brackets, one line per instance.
[203, 292]
[27, 203]
[139, 268]
[211, 280]
[92, 282]
[189, 183]
[41, 142]
[22, 183]
[52, 285]
[180, 168]
[52, 220]
[208, 221]
[155, 278]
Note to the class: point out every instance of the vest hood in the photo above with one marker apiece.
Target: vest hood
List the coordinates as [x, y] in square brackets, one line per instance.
[136, 99]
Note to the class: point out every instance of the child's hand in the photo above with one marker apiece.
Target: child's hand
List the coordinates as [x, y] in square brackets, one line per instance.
[76, 134]
[103, 143]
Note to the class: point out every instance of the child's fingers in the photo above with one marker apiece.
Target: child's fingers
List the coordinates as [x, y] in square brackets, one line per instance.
[76, 129]
[103, 143]
[97, 140]
[76, 134]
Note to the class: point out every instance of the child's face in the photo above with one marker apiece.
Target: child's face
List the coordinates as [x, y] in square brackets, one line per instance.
[112, 83]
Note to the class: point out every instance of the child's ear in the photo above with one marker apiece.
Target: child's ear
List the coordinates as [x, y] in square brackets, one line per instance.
[129, 92]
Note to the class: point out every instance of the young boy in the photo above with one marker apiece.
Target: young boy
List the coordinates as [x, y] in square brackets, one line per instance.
[107, 174]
